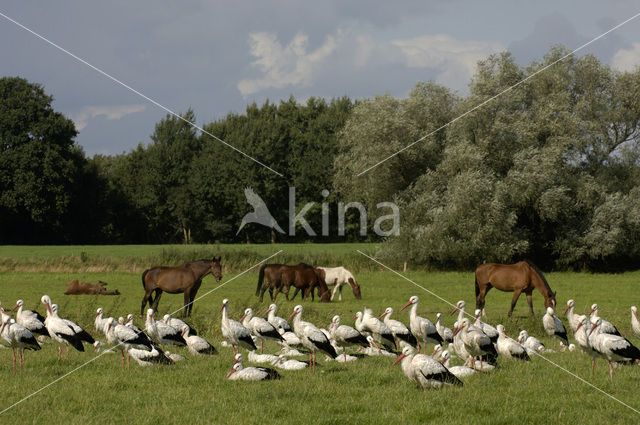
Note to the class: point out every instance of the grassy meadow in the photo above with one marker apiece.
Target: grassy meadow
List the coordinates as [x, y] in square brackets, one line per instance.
[365, 391]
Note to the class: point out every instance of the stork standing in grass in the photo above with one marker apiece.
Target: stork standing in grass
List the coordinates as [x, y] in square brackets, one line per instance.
[345, 335]
[276, 321]
[605, 326]
[399, 329]
[476, 342]
[378, 330]
[17, 336]
[421, 328]
[59, 331]
[509, 347]
[554, 327]
[445, 333]
[572, 317]
[310, 336]
[126, 339]
[32, 320]
[161, 333]
[635, 323]
[234, 332]
[178, 324]
[81, 333]
[260, 328]
[613, 348]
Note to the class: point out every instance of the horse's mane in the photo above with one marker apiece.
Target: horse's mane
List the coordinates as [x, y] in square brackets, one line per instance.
[539, 272]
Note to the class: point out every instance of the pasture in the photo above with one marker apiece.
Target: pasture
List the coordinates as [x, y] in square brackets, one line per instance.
[366, 391]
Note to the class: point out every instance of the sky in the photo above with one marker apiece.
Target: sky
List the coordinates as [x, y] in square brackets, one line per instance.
[217, 57]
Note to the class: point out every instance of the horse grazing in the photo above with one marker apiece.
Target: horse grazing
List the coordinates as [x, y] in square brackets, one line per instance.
[281, 276]
[185, 278]
[519, 277]
[339, 276]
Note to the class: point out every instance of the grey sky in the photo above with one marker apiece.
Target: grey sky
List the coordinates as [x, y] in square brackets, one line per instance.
[218, 56]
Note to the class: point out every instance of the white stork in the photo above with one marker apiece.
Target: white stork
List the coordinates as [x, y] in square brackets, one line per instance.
[399, 329]
[254, 357]
[310, 336]
[605, 327]
[613, 348]
[458, 371]
[373, 350]
[234, 332]
[238, 372]
[59, 331]
[32, 320]
[99, 321]
[152, 357]
[509, 347]
[129, 323]
[424, 370]
[458, 344]
[554, 327]
[198, 345]
[81, 333]
[445, 333]
[421, 328]
[460, 306]
[17, 336]
[476, 342]
[276, 321]
[489, 330]
[530, 343]
[572, 317]
[378, 330]
[126, 339]
[161, 333]
[260, 328]
[344, 335]
[582, 338]
[288, 364]
[635, 323]
[178, 324]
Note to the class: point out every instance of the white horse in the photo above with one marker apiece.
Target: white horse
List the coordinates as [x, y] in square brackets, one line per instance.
[339, 276]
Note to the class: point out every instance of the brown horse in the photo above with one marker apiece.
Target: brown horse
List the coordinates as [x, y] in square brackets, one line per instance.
[520, 277]
[185, 278]
[281, 276]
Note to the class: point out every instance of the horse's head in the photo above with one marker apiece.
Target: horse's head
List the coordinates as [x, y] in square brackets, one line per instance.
[216, 268]
[550, 300]
[356, 289]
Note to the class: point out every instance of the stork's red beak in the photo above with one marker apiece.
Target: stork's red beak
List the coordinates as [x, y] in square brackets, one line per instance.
[595, 325]
[15, 308]
[231, 373]
[406, 305]
[454, 310]
[578, 327]
[292, 314]
[567, 308]
[400, 357]
[382, 315]
[455, 331]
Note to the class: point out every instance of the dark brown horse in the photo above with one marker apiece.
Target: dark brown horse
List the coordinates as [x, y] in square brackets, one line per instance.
[185, 278]
[280, 277]
[517, 278]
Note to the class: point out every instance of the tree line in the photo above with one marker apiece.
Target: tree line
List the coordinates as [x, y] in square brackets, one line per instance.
[549, 170]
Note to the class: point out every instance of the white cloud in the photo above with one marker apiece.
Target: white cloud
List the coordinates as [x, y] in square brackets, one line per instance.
[627, 59]
[456, 59]
[81, 118]
[290, 65]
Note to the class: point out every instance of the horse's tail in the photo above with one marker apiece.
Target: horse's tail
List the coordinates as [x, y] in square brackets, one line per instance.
[477, 286]
[144, 286]
[260, 279]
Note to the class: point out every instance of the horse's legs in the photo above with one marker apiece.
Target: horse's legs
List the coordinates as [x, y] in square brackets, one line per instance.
[530, 301]
[294, 294]
[516, 294]
[147, 298]
[335, 289]
[157, 300]
[271, 292]
[187, 305]
[340, 295]
[262, 291]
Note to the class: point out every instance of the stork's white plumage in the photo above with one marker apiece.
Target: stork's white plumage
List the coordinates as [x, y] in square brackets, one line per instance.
[605, 326]
[424, 370]
[254, 357]
[460, 306]
[178, 324]
[422, 328]
[373, 350]
[126, 339]
[553, 326]
[81, 333]
[198, 345]
[129, 323]
[32, 320]
[399, 329]
[100, 322]
[613, 348]
[161, 333]
[289, 339]
[635, 322]
[276, 321]
[378, 330]
[458, 371]
[445, 333]
[344, 335]
[572, 317]
[530, 343]
[458, 344]
[310, 336]
[509, 347]
[582, 338]
[288, 364]
[149, 357]
[260, 328]
[489, 330]
[17, 336]
[238, 372]
[234, 332]
[476, 342]
[59, 331]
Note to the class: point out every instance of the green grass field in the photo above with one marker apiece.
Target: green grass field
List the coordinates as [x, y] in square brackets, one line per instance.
[366, 391]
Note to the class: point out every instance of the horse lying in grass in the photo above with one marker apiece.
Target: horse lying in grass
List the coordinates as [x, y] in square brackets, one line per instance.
[84, 288]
